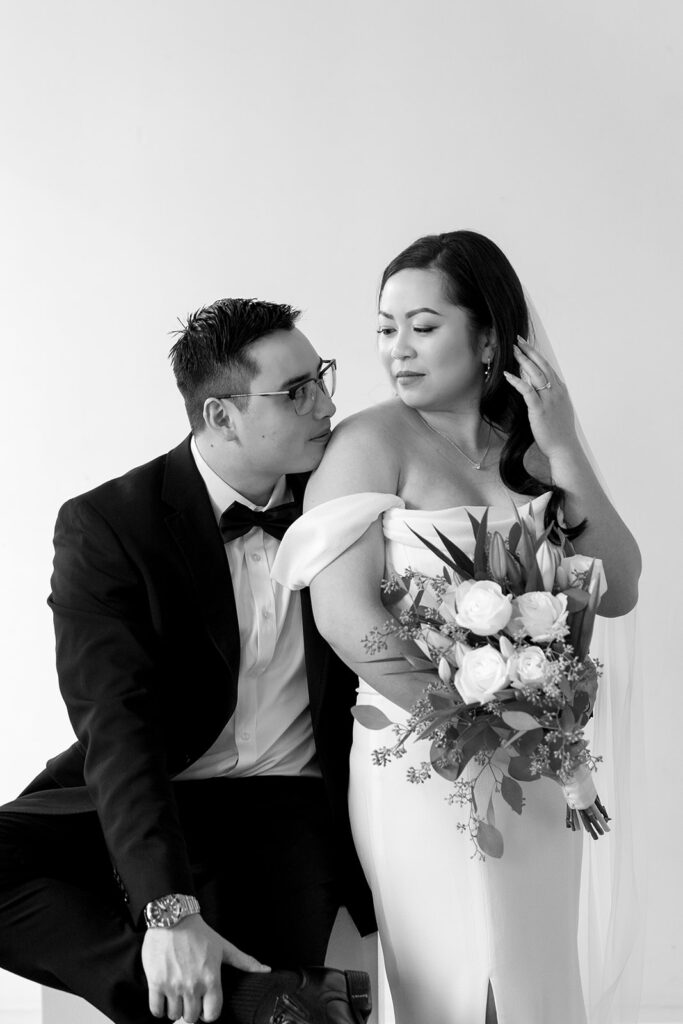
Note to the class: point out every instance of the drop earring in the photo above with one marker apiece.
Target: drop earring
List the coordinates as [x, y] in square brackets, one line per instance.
[487, 371]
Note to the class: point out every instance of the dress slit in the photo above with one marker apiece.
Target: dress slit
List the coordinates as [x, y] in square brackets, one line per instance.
[491, 1013]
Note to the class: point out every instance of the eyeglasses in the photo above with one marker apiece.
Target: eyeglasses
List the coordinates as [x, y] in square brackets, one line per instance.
[302, 395]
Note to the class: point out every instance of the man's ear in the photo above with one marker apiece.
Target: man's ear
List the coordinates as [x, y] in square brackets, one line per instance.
[219, 416]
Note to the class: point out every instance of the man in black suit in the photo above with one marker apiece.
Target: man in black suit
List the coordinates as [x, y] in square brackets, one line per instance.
[198, 825]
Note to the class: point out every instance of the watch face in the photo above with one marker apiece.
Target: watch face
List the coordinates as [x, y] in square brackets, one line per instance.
[164, 912]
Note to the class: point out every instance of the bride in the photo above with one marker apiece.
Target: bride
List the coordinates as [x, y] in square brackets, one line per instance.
[480, 418]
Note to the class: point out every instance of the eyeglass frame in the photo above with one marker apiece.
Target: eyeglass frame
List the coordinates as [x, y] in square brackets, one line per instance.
[327, 364]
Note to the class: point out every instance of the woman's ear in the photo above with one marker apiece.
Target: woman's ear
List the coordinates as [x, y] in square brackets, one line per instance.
[488, 343]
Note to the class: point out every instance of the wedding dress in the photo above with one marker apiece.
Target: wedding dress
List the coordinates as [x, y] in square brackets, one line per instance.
[449, 922]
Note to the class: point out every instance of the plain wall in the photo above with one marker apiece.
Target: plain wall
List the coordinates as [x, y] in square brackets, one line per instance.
[158, 155]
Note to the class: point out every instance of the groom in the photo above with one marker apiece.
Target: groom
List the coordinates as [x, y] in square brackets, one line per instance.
[199, 822]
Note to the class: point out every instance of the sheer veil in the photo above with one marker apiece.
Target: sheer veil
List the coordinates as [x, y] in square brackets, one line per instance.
[612, 899]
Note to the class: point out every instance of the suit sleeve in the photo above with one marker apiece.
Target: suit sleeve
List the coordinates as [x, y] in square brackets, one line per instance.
[111, 676]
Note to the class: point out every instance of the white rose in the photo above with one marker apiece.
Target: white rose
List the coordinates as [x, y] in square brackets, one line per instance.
[528, 667]
[482, 607]
[540, 615]
[483, 673]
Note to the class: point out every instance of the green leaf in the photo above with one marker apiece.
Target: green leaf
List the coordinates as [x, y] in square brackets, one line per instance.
[441, 701]
[528, 741]
[420, 663]
[465, 565]
[480, 548]
[491, 812]
[433, 548]
[519, 768]
[520, 721]
[475, 524]
[582, 707]
[489, 840]
[514, 536]
[512, 794]
[370, 716]
[439, 759]
[567, 721]
[576, 599]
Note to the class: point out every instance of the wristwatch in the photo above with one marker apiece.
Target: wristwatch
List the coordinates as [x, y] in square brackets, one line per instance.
[167, 911]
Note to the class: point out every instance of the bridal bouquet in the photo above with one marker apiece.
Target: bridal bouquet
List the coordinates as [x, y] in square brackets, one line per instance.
[508, 632]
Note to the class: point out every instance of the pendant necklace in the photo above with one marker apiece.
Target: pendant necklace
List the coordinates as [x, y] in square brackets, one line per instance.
[473, 464]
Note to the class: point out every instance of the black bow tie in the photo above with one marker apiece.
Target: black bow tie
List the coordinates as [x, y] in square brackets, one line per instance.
[238, 520]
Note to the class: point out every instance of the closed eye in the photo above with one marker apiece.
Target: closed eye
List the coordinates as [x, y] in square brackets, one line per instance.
[386, 330]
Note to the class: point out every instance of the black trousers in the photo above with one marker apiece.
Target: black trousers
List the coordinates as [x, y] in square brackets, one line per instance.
[262, 856]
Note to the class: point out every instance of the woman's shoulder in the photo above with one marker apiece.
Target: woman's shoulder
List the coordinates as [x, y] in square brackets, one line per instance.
[378, 422]
[362, 455]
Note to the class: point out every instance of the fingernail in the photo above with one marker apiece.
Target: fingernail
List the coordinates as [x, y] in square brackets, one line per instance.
[517, 350]
[522, 340]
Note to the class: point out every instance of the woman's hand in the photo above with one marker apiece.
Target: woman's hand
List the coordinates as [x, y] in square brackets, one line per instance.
[551, 415]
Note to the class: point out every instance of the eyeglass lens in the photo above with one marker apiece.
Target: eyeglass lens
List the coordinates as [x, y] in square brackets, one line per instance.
[305, 395]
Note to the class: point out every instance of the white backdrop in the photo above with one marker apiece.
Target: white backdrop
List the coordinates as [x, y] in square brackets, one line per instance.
[158, 155]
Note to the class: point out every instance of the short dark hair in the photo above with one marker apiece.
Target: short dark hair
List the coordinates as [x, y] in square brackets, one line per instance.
[211, 354]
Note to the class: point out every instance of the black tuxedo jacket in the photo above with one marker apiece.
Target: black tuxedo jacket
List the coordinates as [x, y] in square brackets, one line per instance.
[148, 657]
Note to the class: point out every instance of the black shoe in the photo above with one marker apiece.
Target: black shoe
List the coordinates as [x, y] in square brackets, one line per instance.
[310, 995]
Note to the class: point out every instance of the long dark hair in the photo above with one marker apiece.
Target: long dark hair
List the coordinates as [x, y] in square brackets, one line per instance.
[480, 279]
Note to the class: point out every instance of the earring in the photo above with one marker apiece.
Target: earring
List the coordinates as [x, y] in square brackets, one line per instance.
[487, 371]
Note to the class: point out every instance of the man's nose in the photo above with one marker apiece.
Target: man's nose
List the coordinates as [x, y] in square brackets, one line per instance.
[324, 406]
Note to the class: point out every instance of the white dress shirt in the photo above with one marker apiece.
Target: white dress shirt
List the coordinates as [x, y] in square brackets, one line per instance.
[270, 732]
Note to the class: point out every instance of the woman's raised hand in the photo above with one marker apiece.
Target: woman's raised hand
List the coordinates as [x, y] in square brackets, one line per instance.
[551, 415]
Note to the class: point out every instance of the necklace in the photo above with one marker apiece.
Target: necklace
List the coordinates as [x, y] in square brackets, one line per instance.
[473, 464]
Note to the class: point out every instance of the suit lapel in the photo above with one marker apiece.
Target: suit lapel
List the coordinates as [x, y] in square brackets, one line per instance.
[192, 524]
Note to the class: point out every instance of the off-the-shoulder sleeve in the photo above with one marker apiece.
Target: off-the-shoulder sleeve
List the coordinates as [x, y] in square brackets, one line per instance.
[321, 534]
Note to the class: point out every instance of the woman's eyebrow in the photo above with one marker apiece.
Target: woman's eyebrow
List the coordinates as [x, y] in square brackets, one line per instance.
[412, 312]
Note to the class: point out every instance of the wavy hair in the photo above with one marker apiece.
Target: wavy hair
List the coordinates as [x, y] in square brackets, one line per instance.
[479, 278]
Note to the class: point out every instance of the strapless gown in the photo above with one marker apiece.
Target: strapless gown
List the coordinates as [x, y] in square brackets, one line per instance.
[449, 922]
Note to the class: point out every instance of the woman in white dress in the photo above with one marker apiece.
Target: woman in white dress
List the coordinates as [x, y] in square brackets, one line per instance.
[479, 419]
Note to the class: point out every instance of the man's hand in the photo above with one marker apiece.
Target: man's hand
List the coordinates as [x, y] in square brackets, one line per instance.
[183, 968]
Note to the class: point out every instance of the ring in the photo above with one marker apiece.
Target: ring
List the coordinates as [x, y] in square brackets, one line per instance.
[546, 385]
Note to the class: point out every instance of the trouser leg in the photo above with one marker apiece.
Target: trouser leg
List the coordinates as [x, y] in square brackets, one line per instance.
[262, 858]
[63, 922]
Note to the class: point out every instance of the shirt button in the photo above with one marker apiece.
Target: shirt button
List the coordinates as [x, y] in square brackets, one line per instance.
[266, 613]
[255, 557]
[244, 735]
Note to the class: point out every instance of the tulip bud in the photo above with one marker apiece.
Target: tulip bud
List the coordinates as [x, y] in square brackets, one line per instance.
[497, 558]
[506, 648]
[444, 671]
[514, 573]
[547, 559]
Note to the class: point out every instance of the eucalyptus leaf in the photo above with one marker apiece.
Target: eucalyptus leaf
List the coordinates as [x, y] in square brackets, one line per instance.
[491, 812]
[528, 741]
[489, 840]
[370, 716]
[519, 768]
[521, 721]
[512, 794]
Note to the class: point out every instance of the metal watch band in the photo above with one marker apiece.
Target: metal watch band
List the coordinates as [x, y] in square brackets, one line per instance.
[167, 911]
